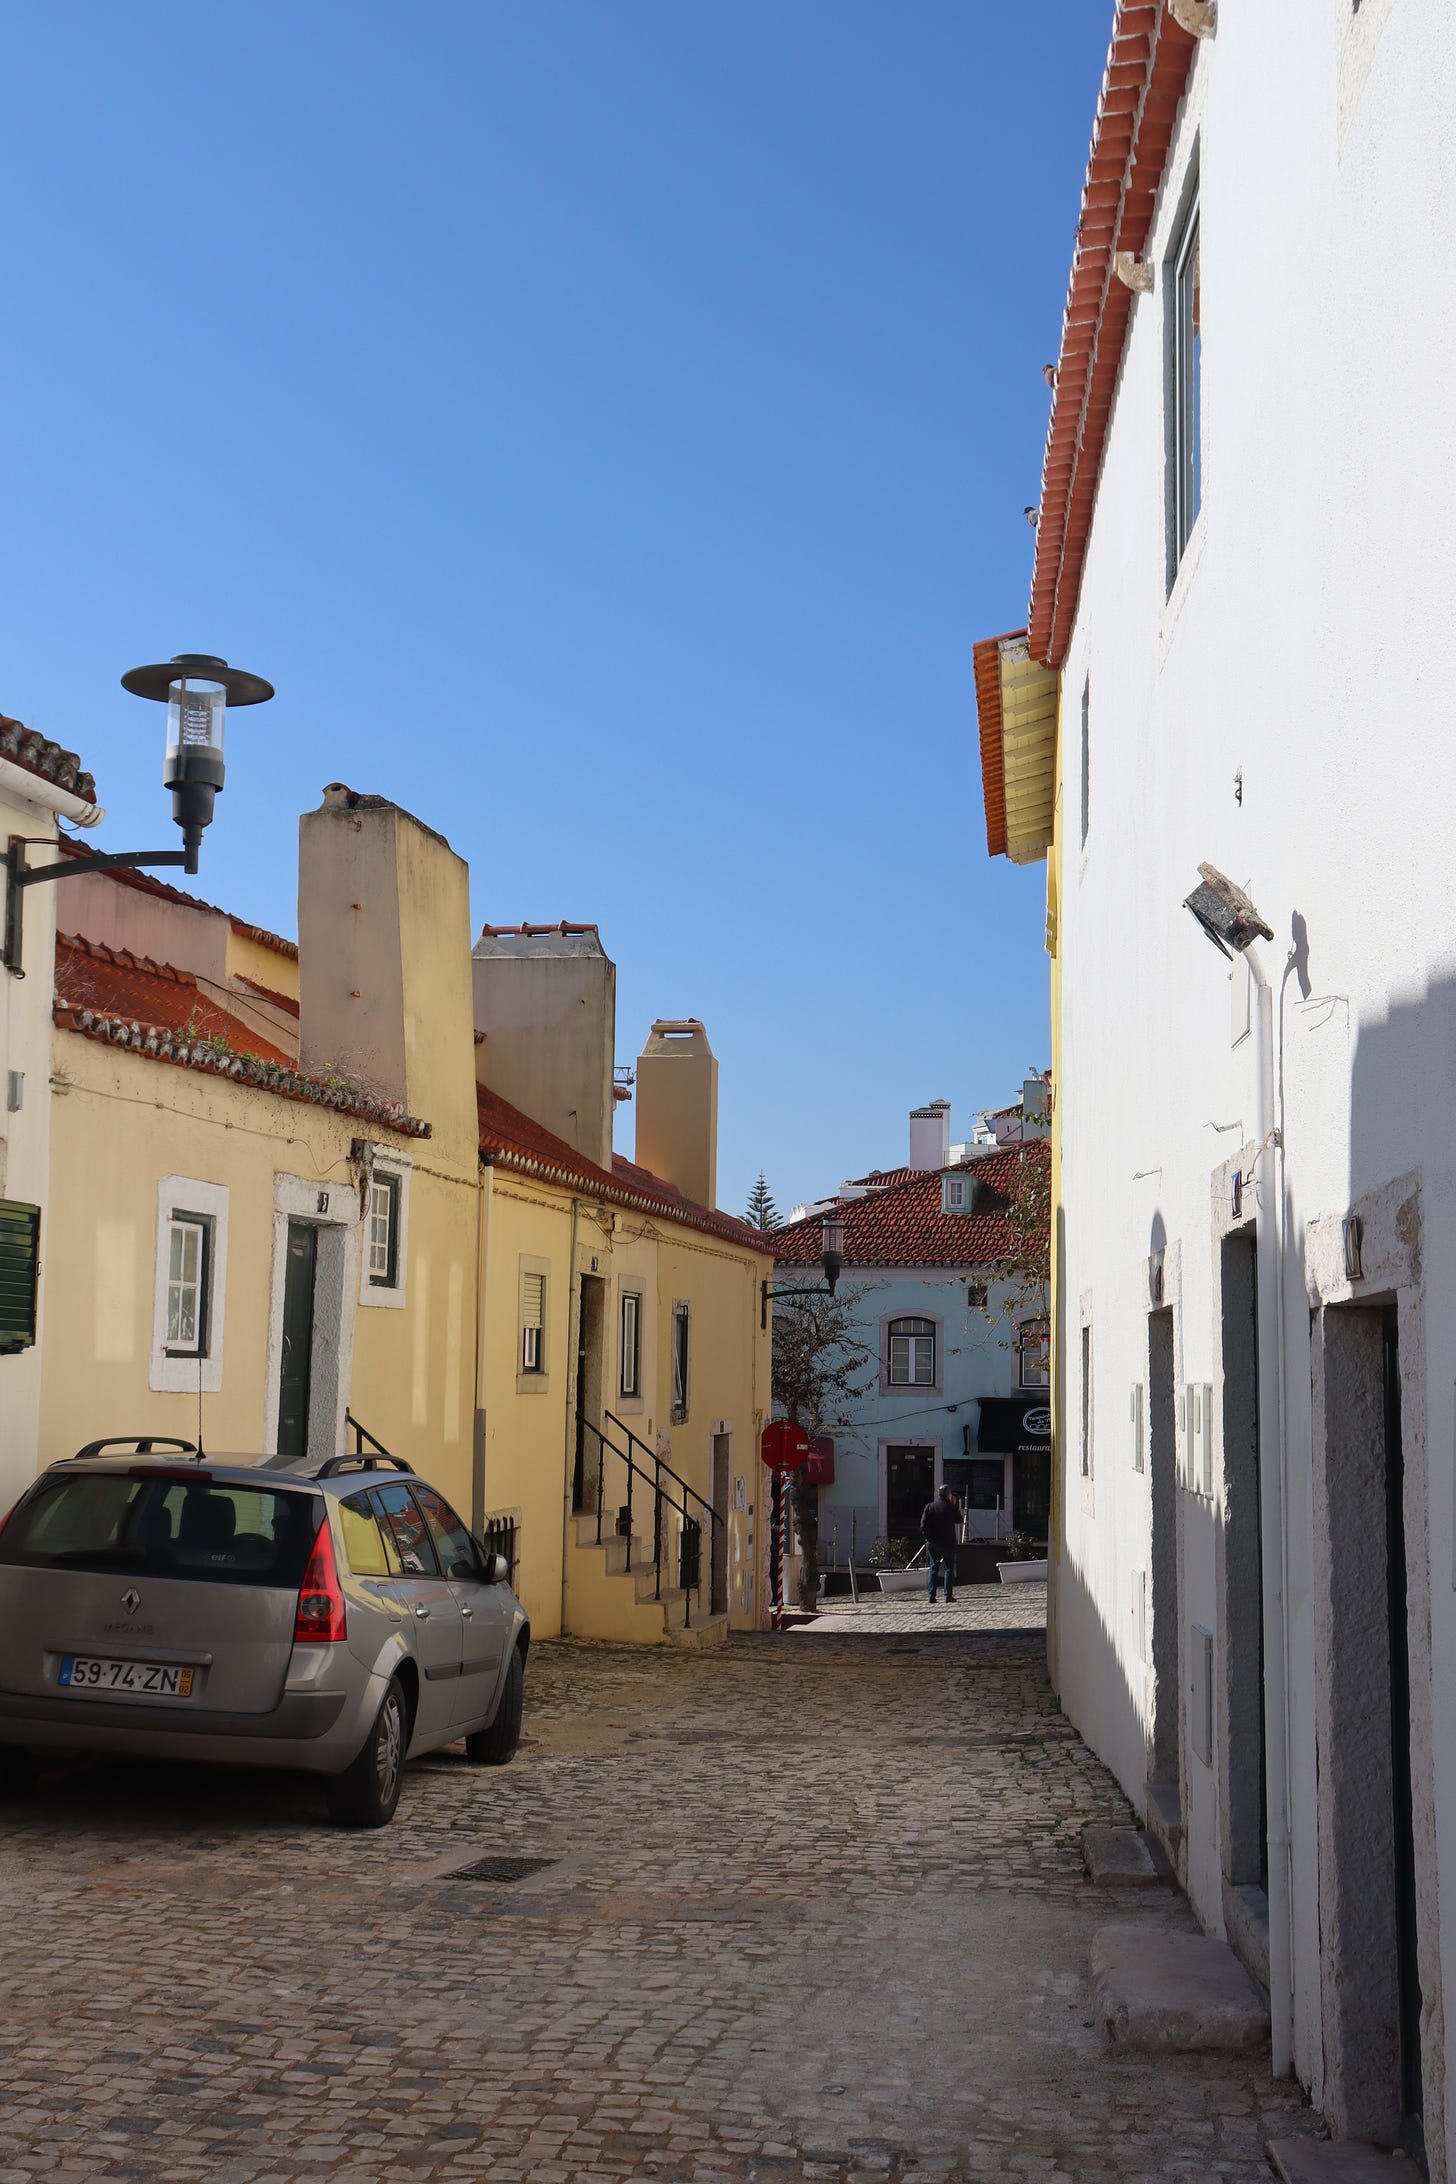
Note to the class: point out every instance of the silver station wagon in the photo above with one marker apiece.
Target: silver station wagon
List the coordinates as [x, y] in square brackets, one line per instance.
[264, 1611]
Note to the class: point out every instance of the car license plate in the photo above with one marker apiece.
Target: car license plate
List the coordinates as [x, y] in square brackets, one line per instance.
[139, 1679]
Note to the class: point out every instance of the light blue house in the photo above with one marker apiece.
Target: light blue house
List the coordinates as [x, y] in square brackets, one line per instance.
[960, 1393]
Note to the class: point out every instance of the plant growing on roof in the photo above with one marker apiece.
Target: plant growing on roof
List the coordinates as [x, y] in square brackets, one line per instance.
[821, 1368]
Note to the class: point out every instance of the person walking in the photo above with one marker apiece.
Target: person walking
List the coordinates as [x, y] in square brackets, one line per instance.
[938, 1529]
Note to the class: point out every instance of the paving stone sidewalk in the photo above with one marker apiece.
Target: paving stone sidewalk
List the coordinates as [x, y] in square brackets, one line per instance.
[816, 1911]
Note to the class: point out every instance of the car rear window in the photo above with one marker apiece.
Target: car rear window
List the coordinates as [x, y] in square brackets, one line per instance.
[113, 1522]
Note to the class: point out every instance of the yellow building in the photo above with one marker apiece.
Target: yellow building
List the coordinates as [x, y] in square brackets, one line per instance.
[286, 1205]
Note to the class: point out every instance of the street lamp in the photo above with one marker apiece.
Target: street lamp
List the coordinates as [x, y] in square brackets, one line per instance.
[197, 688]
[832, 1259]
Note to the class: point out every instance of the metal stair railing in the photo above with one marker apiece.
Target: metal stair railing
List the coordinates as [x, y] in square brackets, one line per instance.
[652, 1474]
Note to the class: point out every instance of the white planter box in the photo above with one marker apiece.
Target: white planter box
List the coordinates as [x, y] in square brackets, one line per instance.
[1023, 1573]
[904, 1580]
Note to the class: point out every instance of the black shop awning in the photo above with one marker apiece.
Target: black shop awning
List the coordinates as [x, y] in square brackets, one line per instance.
[1015, 1425]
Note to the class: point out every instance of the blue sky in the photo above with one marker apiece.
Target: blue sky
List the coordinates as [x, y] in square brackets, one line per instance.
[608, 422]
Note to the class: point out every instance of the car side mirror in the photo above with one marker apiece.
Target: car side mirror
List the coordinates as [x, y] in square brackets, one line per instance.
[497, 1570]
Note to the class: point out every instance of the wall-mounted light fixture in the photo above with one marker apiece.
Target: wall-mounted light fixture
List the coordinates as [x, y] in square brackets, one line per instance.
[832, 1260]
[197, 688]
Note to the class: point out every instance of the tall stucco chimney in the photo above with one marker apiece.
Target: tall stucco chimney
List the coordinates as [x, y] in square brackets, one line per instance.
[546, 1000]
[677, 1109]
[384, 962]
[930, 1135]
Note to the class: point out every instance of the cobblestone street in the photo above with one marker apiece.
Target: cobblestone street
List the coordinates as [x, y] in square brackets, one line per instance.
[816, 1910]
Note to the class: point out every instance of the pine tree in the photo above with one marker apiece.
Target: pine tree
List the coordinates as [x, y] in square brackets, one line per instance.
[762, 1212]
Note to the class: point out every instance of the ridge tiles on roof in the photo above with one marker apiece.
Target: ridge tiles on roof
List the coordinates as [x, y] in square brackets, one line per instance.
[906, 1225]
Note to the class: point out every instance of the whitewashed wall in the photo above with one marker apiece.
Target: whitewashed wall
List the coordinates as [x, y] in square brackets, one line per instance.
[1309, 645]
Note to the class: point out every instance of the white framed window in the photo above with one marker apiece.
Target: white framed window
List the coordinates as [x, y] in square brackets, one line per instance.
[957, 1194]
[190, 1286]
[189, 1272]
[1187, 381]
[912, 1353]
[682, 1342]
[629, 1376]
[1086, 1438]
[978, 1295]
[1033, 1354]
[384, 1241]
[533, 1323]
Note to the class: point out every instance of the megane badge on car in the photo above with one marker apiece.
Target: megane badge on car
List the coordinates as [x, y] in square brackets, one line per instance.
[131, 1600]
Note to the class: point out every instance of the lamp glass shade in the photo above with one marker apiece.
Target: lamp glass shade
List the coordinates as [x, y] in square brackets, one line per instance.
[833, 1236]
[195, 712]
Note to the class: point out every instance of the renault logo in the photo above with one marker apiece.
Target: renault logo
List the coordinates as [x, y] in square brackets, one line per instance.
[131, 1600]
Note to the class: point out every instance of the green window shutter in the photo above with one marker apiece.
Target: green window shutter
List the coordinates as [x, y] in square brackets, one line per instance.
[19, 1267]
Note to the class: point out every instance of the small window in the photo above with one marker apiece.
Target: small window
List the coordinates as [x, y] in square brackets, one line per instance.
[912, 1353]
[533, 1330]
[384, 1232]
[1033, 1354]
[978, 1296]
[631, 1375]
[681, 1346]
[1086, 1402]
[19, 1274]
[1187, 383]
[189, 1282]
[957, 1194]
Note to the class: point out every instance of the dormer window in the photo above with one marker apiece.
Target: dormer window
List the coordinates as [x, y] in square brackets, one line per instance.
[957, 1194]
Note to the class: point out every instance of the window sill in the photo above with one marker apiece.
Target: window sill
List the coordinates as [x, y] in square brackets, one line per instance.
[380, 1298]
[636, 1404]
[533, 1383]
[181, 1375]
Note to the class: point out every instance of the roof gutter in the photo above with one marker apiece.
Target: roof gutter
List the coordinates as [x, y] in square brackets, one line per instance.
[19, 781]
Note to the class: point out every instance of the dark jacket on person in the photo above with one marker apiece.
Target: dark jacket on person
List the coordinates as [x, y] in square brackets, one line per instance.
[938, 1523]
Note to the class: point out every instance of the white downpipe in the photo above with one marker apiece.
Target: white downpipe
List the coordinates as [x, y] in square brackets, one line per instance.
[20, 782]
[1269, 1250]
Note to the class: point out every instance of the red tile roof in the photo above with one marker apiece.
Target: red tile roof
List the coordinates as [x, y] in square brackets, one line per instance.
[1146, 75]
[987, 658]
[288, 1001]
[155, 1010]
[881, 1179]
[36, 754]
[515, 1141]
[904, 1226]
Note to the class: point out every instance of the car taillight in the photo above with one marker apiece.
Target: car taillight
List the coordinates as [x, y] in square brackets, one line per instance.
[320, 1616]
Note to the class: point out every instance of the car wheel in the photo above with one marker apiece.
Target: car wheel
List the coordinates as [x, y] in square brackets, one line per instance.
[496, 1746]
[366, 1793]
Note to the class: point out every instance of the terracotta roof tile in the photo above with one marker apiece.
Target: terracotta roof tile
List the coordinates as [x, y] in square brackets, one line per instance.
[37, 755]
[532, 932]
[1146, 75]
[904, 1226]
[515, 1141]
[155, 1010]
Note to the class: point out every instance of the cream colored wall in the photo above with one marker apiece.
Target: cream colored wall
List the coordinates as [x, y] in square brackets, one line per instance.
[249, 958]
[25, 1041]
[526, 1447]
[530, 1429]
[119, 1124]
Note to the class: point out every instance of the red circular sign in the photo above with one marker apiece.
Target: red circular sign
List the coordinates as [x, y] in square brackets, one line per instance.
[785, 1446]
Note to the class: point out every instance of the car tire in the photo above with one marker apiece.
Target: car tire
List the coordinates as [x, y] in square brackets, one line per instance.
[496, 1746]
[366, 1793]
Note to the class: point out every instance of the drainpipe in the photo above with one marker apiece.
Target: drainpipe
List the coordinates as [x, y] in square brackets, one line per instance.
[1269, 1251]
[573, 1397]
[484, 1180]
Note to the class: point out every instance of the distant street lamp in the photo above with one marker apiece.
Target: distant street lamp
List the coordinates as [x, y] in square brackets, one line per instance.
[832, 1260]
[197, 689]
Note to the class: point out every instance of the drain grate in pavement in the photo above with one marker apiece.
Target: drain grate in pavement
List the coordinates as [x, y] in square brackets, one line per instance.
[501, 1869]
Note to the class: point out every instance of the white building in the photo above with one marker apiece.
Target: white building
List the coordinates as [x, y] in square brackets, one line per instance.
[39, 782]
[1245, 561]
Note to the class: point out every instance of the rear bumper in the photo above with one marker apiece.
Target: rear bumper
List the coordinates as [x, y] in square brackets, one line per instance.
[319, 1731]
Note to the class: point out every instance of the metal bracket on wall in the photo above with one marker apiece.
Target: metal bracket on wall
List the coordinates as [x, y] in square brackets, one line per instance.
[19, 875]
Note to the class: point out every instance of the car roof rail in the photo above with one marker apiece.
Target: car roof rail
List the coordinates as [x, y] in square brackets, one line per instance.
[332, 1465]
[135, 1444]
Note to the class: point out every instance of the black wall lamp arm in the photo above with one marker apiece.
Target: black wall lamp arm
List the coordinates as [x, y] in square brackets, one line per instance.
[19, 875]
